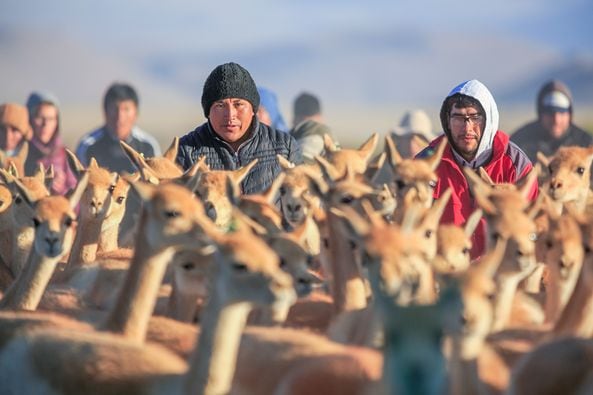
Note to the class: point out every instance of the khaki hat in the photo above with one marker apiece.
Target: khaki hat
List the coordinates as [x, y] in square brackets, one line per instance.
[16, 116]
[416, 121]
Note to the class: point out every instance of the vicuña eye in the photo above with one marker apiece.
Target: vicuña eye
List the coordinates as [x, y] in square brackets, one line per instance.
[188, 266]
[240, 267]
[172, 214]
[347, 199]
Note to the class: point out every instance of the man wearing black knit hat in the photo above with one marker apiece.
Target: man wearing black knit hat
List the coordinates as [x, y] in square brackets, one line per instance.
[233, 136]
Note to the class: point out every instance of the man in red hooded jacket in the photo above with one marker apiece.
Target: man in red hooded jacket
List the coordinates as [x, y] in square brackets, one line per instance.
[469, 117]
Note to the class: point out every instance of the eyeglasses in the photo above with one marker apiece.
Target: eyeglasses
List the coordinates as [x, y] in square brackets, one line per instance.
[460, 120]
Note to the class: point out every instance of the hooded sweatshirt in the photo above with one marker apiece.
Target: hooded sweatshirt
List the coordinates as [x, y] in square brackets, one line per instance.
[478, 91]
[52, 153]
[502, 160]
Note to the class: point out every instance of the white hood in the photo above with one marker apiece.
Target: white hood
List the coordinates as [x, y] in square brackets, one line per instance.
[478, 91]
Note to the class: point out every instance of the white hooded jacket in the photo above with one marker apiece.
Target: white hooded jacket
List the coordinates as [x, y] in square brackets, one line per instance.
[478, 91]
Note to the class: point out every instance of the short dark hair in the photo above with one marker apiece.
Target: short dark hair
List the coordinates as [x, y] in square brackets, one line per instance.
[460, 101]
[118, 92]
[306, 104]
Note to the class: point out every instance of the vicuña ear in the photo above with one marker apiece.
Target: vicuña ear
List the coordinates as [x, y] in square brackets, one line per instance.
[40, 173]
[367, 148]
[272, 191]
[329, 171]
[12, 169]
[434, 160]
[485, 176]
[328, 143]
[191, 177]
[232, 191]
[357, 226]
[93, 163]
[76, 194]
[7, 177]
[527, 183]
[171, 152]
[139, 163]
[317, 185]
[374, 169]
[49, 176]
[75, 165]
[239, 174]
[472, 222]
[543, 159]
[474, 181]
[285, 164]
[24, 192]
[393, 156]
[489, 263]
[374, 217]
[435, 212]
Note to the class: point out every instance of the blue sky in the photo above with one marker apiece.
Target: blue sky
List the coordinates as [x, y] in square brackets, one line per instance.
[366, 59]
[142, 26]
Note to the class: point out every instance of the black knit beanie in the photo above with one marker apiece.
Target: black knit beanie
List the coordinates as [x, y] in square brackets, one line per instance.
[229, 80]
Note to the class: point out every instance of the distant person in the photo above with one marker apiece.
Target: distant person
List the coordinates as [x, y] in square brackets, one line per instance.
[233, 136]
[469, 117]
[269, 111]
[120, 106]
[46, 144]
[14, 127]
[308, 125]
[413, 133]
[554, 127]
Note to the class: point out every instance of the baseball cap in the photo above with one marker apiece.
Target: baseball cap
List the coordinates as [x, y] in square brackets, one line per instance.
[556, 101]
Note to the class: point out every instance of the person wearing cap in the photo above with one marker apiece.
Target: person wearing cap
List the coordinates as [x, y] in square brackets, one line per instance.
[120, 108]
[554, 127]
[232, 135]
[46, 146]
[413, 133]
[469, 116]
[14, 127]
[269, 111]
[308, 125]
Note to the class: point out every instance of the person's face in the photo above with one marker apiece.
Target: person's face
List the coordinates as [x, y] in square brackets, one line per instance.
[45, 122]
[466, 125]
[120, 117]
[10, 137]
[231, 119]
[555, 122]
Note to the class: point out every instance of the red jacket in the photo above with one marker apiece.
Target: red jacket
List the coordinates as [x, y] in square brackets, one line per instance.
[508, 164]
